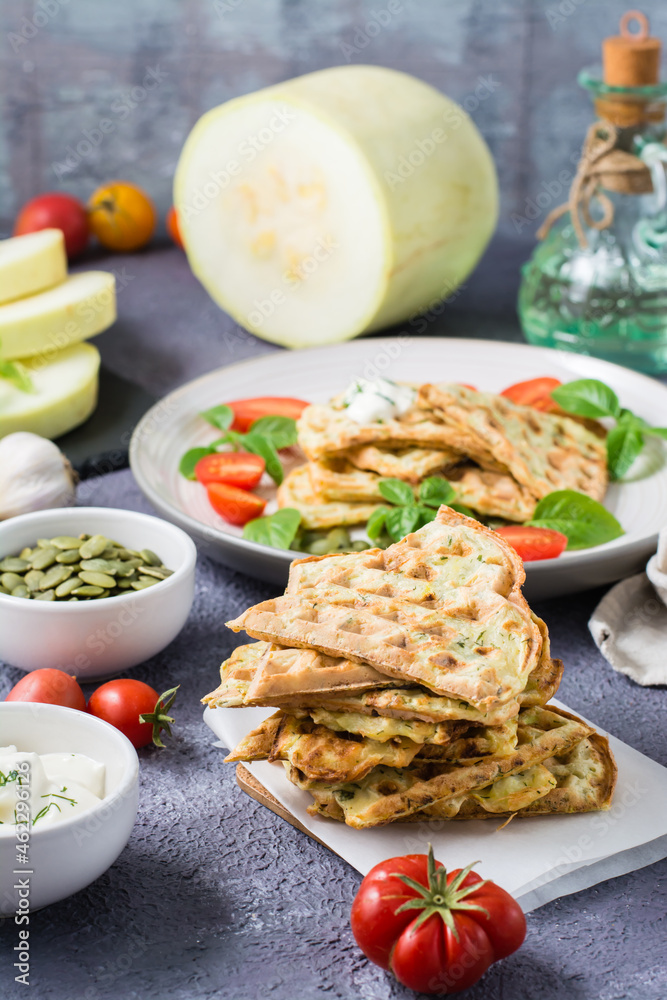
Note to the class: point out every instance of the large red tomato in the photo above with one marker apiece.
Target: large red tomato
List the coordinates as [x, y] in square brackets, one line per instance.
[56, 211]
[438, 932]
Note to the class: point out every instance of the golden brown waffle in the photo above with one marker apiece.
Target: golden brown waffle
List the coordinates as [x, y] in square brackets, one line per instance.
[389, 794]
[410, 464]
[296, 490]
[542, 451]
[443, 608]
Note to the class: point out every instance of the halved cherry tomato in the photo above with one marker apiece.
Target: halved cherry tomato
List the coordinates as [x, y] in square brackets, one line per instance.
[50, 687]
[235, 505]
[246, 411]
[534, 543]
[236, 468]
[469, 923]
[535, 392]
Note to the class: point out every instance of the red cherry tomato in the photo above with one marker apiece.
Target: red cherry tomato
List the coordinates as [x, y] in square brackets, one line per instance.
[121, 703]
[534, 543]
[51, 687]
[236, 468]
[56, 211]
[235, 505]
[429, 957]
[246, 411]
[536, 392]
[173, 227]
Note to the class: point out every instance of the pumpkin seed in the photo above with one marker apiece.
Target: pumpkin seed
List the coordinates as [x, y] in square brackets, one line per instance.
[102, 580]
[12, 564]
[73, 598]
[157, 571]
[68, 556]
[66, 542]
[97, 565]
[11, 580]
[65, 588]
[54, 576]
[3, 591]
[143, 582]
[127, 554]
[88, 591]
[25, 553]
[44, 543]
[21, 591]
[124, 584]
[150, 558]
[44, 557]
[94, 546]
[46, 595]
[33, 579]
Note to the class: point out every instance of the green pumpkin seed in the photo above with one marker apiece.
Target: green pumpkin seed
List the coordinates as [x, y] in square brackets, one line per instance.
[68, 556]
[12, 564]
[33, 579]
[102, 580]
[11, 580]
[54, 576]
[97, 565]
[66, 542]
[46, 595]
[143, 582]
[88, 591]
[150, 558]
[127, 554]
[127, 568]
[44, 557]
[94, 546]
[157, 571]
[3, 590]
[44, 543]
[25, 553]
[73, 598]
[360, 545]
[65, 588]
[124, 584]
[21, 591]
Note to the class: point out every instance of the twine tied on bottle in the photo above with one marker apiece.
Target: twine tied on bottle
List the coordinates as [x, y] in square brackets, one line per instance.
[601, 166]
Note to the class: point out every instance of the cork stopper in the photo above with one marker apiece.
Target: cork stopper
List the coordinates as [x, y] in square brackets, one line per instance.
[631, 59]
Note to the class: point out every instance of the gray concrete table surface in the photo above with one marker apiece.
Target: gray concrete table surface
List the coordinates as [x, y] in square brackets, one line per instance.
[214, 896]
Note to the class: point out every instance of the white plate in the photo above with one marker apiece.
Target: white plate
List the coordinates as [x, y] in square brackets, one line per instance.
[173, 425]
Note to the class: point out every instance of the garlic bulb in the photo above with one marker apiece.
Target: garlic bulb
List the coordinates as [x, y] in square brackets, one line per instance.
[34, 475]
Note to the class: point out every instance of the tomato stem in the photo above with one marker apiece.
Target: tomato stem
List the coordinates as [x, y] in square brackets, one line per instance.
[158, 717]
[439, 898]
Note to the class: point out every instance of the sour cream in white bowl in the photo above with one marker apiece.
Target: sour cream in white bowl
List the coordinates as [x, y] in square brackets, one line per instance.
[57, 847]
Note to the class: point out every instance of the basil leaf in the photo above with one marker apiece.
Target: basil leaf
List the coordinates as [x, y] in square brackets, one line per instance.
[375, 523]
[186, 466]
[660, 432]
[259, 445]
[281, 431]
[276, 530]
[585, 521]
[462, 509]
[14, 372]
[587, 397]
[396, 492]
[627, 418]
[435, 491]
[220, 416]
[426, 515]
[624, 442]
[400, 521]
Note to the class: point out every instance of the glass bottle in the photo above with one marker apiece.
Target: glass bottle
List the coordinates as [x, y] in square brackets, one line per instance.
[597, 282]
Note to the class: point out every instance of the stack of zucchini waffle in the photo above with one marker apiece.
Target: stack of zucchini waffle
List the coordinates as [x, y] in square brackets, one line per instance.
[501, 458]
[411, 683]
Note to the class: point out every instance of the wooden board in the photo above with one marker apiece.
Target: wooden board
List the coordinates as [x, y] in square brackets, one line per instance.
[252, 787]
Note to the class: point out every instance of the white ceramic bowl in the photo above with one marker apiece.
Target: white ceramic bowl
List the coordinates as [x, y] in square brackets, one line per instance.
[97, 639]
[68, 855]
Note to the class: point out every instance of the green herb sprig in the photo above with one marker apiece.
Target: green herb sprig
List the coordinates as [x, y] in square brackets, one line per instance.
[408, 512]
[278, 530]
[588, 397]
[266, 437]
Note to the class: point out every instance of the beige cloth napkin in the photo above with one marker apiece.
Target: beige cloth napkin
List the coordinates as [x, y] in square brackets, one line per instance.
[629, 625]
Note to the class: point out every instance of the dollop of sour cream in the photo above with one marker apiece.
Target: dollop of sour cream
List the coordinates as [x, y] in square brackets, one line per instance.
[58, 785]
[374, 402]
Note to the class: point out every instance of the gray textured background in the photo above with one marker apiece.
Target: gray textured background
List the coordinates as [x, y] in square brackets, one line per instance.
[67, 64]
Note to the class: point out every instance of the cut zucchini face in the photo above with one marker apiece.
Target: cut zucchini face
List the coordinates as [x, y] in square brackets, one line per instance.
[336, 203]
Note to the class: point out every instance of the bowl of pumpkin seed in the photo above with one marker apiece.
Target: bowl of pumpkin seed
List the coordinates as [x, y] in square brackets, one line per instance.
[91, 590]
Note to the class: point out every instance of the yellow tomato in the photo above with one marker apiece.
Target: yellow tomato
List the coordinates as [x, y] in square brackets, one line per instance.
[121, 216]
